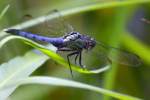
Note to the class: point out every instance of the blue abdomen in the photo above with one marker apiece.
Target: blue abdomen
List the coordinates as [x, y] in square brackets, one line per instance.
[55, 41]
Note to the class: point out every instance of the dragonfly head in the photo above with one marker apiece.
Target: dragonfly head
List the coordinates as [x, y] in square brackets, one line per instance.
[90, 42]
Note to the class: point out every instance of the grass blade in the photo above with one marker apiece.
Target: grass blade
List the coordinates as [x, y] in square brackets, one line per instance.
[79, 9]
[18, 68]
[4, 11]
[69, 83]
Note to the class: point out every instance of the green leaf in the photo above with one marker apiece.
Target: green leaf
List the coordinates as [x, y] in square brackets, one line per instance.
[18, 68]
[68, 83]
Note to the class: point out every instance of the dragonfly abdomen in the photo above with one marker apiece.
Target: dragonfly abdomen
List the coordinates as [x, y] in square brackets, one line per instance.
[55, 41]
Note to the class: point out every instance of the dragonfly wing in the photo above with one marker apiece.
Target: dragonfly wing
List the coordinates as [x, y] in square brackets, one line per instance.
[51, 28]
[93, 60]
[124, 57]
[120, 56]
[58, 25]
[40, 29]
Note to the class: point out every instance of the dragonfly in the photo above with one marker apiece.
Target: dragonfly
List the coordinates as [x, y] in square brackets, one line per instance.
[78, 45]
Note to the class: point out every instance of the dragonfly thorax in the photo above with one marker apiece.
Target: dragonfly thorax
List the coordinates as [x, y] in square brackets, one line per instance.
[71, 36]
[79, 40]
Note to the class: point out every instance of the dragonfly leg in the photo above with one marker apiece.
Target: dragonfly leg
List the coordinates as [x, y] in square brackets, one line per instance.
[80, 60]
[69, 55]
[76, 58]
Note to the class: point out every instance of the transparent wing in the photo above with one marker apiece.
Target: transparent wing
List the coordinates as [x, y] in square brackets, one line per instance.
[103, 55]
[58, 25]
[38, 29]
[51, 28]
[119, 56]
[93, 60]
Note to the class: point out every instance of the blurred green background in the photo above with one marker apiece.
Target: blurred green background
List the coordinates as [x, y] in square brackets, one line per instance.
[116, 26]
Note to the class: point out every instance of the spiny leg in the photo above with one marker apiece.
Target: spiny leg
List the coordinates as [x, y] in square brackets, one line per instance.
[76, 52]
